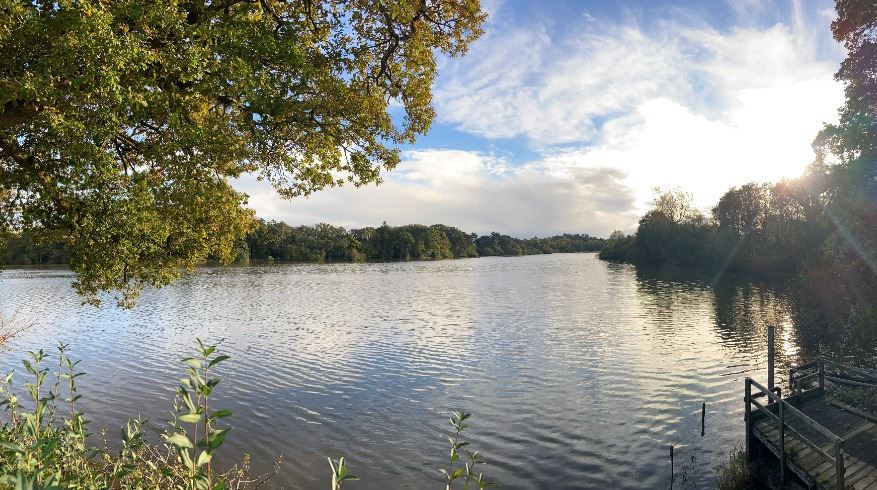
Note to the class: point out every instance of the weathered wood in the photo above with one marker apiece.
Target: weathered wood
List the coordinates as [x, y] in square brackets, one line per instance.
[770, 354]
[764, 409]
[773, 423]
[861, 372]
[799, 414]
[850, 382]
[804, 379]
[747, 417]
[782, 445]
[821, 373]
[853, 410]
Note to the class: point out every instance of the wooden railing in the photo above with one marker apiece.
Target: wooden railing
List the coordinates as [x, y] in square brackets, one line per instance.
[821, 370]
[782, 412]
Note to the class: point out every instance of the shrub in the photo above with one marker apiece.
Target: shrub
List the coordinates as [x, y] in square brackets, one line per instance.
[737, 474]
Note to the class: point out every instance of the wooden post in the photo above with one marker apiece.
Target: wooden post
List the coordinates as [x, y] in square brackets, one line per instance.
[703, 420]
[782, 445]
[821, 367]
[747, 417]
[839, 463]
[672, 476]
[770, 350]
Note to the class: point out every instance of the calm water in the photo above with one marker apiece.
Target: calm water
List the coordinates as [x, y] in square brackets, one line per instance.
[579, 373]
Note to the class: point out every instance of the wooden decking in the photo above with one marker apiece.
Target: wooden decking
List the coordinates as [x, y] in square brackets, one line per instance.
[817, 441]
[812, 467]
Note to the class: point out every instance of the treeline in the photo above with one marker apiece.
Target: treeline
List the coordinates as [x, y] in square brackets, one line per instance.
[326, 243]
[771, 228]
[819, 230]
[272, 240]
[23, 249]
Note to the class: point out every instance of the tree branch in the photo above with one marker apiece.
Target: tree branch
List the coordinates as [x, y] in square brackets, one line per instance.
[18, 112]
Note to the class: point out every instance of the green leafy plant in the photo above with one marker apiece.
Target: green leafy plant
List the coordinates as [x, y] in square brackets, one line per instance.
[199, 421]
[469, 459]
[44, 436]
[339, 473]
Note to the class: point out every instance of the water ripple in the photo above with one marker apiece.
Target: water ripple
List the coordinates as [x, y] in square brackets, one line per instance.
[580, 373]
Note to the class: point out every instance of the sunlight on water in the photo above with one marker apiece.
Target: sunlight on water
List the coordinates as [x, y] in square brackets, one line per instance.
[579, 373]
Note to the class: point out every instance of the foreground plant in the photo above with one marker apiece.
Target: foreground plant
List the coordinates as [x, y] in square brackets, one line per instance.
[339, 473]
[196, 456]
[42, 449]
[470, 459]
[44, 438]
[737, 473]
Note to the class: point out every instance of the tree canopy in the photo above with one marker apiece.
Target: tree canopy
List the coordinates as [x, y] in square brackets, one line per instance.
[122, 122]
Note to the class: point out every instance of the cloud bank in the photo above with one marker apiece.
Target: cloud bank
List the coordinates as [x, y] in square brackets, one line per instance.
[474, 191]
[610, 109]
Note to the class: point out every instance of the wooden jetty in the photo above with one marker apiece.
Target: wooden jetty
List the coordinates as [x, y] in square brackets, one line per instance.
[816, 440]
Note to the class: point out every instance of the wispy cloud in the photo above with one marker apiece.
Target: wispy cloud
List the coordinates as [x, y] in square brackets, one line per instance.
[674, 103]
[611, 109]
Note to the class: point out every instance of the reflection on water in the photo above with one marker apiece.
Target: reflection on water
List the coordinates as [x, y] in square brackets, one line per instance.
[580, 373]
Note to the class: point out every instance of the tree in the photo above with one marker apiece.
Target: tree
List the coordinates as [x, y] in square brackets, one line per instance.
[675, 205]
[845, 171]
[121, 122]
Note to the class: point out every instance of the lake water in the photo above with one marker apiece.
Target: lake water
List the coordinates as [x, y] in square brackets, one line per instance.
[579, 373]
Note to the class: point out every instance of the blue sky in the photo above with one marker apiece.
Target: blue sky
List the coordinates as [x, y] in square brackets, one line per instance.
[565, 115]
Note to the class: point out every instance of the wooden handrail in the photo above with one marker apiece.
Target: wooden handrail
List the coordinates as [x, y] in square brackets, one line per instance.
[784, 408]
[849, 369]
[797, 413]
[803, 367]
[850, 382]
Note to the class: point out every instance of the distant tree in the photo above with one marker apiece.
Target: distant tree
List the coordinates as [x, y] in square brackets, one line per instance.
[675, 205]
[461, 243]
[745, 209]
[121, 121]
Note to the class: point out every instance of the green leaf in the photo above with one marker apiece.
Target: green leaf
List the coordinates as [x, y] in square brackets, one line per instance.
[203, 458]
[192, 362]
[190, 418]
[11, 446]
[216, 439]
[179, 440]
[220, 414]
[217, 360]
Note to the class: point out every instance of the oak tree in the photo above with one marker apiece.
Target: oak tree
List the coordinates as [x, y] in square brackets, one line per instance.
[123, 121]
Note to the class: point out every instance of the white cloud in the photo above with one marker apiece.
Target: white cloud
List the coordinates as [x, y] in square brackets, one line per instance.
[474, 191]
[612, 110]
[676, 105]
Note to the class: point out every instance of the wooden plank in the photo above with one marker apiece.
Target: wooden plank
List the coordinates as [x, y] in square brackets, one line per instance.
[850, 382]
[870, 479]
[864, 473]
[810, 462]
[803, 475]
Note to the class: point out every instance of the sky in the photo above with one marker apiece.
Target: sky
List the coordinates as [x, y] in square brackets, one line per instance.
[566, 115]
